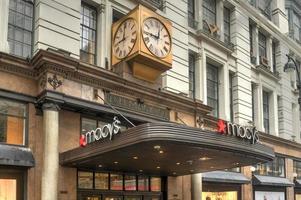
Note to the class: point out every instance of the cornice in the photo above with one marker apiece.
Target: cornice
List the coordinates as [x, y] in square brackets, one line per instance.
[272, 139]
[72, 69]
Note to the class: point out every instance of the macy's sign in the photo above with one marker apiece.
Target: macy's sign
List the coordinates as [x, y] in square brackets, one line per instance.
[107, 131]
[244, 132]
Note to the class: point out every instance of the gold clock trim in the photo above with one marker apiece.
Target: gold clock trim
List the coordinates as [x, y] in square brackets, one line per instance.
[121, 23]
[167, 33]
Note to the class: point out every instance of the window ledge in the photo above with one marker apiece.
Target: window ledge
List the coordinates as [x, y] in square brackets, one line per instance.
[264, 70]
[229, 47]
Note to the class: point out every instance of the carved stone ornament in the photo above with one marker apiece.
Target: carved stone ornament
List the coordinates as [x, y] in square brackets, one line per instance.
[50, 106]
[43, 81]
[54, 82]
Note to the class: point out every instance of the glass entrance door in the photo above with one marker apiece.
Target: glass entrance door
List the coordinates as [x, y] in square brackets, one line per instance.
[90, 198]
[112, 198]
[132, 197]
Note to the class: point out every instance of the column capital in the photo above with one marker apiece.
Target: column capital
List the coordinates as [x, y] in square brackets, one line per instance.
[50, 106]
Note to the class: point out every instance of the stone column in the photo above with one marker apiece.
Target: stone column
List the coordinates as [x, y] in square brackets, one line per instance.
[270, 52]
[224, 96]
[199, 77]
[50, 152]
[4, 9]
[273, 111]
[196, 186]
[220, 18]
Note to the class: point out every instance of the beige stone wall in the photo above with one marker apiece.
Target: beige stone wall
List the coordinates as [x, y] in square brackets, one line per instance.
[35, 140]
[179, 188]
[18, 84]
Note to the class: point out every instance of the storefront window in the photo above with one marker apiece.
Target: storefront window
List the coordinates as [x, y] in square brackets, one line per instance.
[298, 196]
[116, 182]
[155, 184]
[102, 181]
[11, 184]
[8, 189]
[12, 122]
[225, 195]
[85, 180]
[235, 169]
[274, 168]
[297, 168]
[129, 182]
[143, 183]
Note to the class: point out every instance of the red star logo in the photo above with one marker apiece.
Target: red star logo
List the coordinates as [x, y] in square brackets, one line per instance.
[221, 126]
[82, 141]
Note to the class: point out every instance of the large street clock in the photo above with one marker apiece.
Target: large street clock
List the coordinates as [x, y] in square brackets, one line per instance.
[142, 38]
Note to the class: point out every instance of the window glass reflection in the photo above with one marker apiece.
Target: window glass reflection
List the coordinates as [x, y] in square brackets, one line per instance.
[85, 180]
[101, 181]
[129, 182]
[143, 183]
[116, 182]
[155, 184]
[274, 168]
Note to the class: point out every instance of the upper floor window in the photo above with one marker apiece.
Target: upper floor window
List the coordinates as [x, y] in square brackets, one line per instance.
[116, 15]
[88, 34]
[12, 122]
[191, 62]
[296, 26]
[209, 13]
[266, 115]
[273, 168]
[212, 88]
[297, 168]
[191, 13]
[227, 25]
[263, 6]
[20, 28]
[262, 45]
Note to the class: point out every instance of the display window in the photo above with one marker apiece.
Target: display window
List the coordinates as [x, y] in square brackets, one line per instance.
[226, 195]
[269, 195]
[13, 116]
[221, 191]
[11, 184]
[298, 197]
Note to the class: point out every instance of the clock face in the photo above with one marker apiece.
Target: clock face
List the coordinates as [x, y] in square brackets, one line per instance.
[125, 38]
[156, 37]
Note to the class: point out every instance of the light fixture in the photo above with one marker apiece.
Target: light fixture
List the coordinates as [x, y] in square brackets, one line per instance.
[289, 66]
[236, 163]
[205, 158]
[157, 147]
[252, 168]
[161, 151]
[211, 167]
[99, 165]
[135, 158]
[158, 167]
[174, 173]
[140, 170]
[295, 175]
[178, 163]
[115, 162]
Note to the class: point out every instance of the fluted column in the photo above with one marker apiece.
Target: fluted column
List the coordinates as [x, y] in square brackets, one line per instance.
[50, 152]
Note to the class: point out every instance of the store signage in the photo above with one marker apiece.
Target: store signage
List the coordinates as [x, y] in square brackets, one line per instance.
[134, 105]
[100, 133]
[244, 132]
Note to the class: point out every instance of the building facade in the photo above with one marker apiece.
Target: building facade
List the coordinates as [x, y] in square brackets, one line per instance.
[72, 126]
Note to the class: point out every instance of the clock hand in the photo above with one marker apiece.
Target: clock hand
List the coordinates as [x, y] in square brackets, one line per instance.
[152, 35]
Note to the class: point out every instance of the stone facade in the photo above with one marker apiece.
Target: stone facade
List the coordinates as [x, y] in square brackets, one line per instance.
[57, 33]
